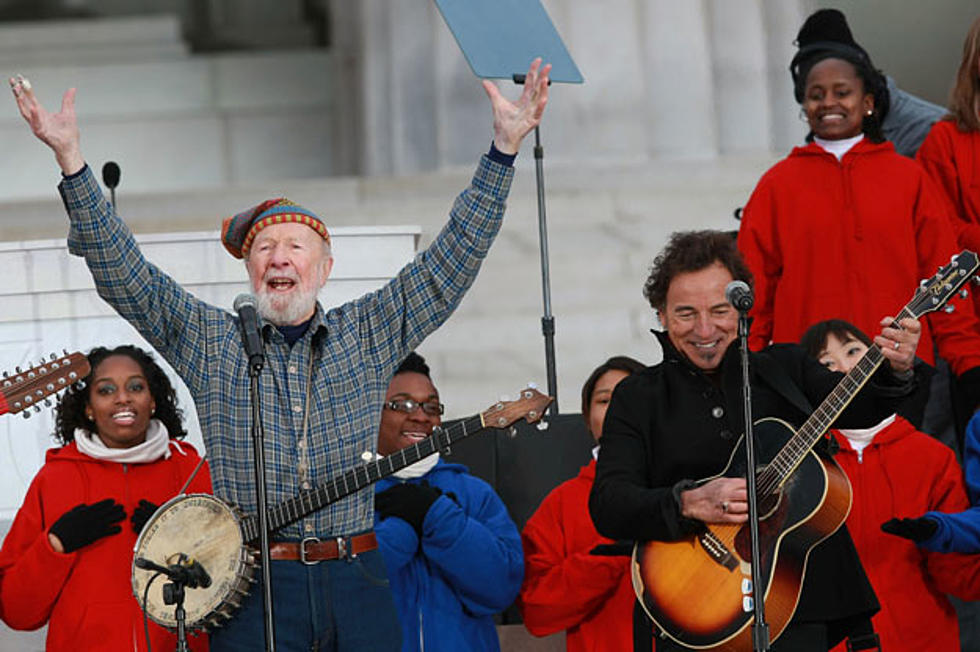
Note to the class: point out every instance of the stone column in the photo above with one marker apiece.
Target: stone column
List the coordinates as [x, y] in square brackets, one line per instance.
[782, 20]
[385, 60]
[677, 78]
[738, 66]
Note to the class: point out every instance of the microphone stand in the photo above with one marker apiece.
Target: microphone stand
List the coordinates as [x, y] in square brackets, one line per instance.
[173, 593]
[258, 450]
[547, 319]
[760, 628]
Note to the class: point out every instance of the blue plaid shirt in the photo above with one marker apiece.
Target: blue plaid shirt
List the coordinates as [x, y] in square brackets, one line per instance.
[355, 348]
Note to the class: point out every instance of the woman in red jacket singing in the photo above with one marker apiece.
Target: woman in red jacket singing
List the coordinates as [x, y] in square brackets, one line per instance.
[575, 579]
[845, 226]
[898, 472]
[67, 559]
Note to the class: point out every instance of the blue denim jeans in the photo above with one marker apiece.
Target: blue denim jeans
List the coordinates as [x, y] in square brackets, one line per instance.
[333, 606]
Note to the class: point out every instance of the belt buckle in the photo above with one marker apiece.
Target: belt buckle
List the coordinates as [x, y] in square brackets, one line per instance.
[341, 548]
[302, 551]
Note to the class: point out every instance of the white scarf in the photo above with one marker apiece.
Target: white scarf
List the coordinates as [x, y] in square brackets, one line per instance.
[861, 438]
[155, 446]
[418, 469]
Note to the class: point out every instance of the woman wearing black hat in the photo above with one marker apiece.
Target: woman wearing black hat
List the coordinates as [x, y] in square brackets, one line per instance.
[845, 226]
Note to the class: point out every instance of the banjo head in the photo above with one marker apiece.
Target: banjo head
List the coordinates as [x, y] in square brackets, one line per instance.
[207, 530]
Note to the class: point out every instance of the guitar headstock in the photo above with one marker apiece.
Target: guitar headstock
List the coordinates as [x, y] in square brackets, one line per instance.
[530, 407]
[25, 389]
[933, 293]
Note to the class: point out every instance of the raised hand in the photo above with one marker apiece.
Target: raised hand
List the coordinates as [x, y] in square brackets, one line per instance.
[513, 120]
[59, 131]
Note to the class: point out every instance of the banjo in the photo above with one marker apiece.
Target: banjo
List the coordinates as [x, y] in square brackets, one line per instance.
[220, 537]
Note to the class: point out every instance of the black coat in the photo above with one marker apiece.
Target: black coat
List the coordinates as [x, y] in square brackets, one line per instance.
[672, 422]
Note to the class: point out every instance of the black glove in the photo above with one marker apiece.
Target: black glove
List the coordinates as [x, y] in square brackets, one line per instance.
[408, 501]
[915, 529]
[618, 549]
[85, 524]
[142, 514]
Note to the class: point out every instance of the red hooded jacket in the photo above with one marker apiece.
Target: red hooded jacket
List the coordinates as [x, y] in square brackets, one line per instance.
[85, 597]
[566, 588]
[904, 473]
[951, 158]
[850, 239]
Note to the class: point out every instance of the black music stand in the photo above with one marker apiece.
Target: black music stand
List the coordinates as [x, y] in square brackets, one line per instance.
[499, 40]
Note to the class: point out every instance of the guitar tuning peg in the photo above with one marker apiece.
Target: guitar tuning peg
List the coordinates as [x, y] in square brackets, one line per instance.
[64, 352]
[976, 279]
[949, 309]
[53, 356]
[964, 293]
[512, 432]
[17, 369]
[37, 408]
[532, 385]
[27, 414]
[47, 402]
[542, 425]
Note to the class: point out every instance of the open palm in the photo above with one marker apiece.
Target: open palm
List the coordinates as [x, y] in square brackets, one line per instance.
[59, 131]
[513, 120]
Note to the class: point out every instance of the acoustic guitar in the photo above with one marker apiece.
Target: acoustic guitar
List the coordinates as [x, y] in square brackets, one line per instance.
[698, 590]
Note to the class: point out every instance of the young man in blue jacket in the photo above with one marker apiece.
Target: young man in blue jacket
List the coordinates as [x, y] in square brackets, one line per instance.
[453, 553]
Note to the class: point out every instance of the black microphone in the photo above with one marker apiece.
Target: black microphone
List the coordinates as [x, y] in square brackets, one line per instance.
[110, 177]
[248, 318]
[739, 294]
[111, 174]
[188, 572]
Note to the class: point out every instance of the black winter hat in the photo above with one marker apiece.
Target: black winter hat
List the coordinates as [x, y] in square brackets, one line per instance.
[825, 32]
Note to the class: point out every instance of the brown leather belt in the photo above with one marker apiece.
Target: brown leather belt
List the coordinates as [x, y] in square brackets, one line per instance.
[312, 550]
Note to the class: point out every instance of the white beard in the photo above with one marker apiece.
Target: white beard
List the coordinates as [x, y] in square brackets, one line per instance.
[283, 311]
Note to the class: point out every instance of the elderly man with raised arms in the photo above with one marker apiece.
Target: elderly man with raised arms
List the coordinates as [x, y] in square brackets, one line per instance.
[326, 371]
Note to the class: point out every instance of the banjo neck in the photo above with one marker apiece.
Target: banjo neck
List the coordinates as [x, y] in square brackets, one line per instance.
[502, 414]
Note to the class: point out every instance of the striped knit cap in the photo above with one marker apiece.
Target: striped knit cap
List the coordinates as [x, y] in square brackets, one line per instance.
[239, 231]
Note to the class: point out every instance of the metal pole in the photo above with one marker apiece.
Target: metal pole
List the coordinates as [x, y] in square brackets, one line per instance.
[547, 320]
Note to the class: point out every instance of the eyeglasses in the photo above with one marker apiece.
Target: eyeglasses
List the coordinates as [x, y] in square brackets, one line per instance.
[408, 406]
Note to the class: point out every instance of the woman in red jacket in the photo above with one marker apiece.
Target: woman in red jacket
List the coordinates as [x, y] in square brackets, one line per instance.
[67, 559]
[575, 579]
[895, 472]
[844, 225]
[950, 153]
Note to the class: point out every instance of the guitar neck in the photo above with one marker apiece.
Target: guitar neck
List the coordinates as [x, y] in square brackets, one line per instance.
[352, 481]
[786, 461]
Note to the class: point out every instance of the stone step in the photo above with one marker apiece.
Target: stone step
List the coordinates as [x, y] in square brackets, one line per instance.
[92, 41]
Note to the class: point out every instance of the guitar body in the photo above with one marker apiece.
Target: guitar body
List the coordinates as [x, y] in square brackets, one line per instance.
[698, 590]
